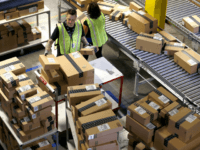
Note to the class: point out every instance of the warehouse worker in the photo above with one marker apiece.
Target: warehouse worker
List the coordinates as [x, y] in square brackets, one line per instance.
[68, 35]
[94, 28]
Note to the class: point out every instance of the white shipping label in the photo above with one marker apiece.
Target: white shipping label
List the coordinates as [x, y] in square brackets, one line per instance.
[28, 148]
[141, 12]
[79, 4]
[128, 112]
[89, 149]
[106, 8]
[91, 137]
[20, 77]
[154, 105]
[33, 116]
[192, 62]
[10, 68]
[35, 108]
[32, 9]
[25, 88]
[103, 127]
[127, 12]
[76, 55]
[100, 102]
[158, 35]
[14, 121]
[150, 126]
[23, 97]
[173, 112]
[7, 17]
[164, 99]
[166, 52]
[191, 118]
[129, 26]
[140, 110]
[8, 76]
[27, 119]
[43, 143]
[178, 44]
[121, 7]
[183, 23]
[90, 87]
[157, 38]
[51, 60]
[34, 99]
[189, 20]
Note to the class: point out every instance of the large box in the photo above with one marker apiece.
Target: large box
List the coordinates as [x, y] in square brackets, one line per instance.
[192, 23]
[9, 79]
[52, 75]
[172, 47]
[185, 124]
[37, 34]
[167, 37]
[80, 93]
[105, 7]
[76, 69]
[25, 25]
[12, 15]
[143, 22]
[135, 6]
[149, 43]
[107, 146]
[106, 123]
[49, 62]
[93, 105]
[188, 60]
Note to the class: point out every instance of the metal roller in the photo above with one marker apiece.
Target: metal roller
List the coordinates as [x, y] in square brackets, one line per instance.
[190, 88]
[157, 58]
[187, 84]
[184, 78]
[169, 75]
[179, 73]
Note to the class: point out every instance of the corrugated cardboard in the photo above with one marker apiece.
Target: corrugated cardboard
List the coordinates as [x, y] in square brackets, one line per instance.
[141, 131]
[133, 139]
[16, 111]
[190, 24]
[107, 146]
[105, 7]
[52, 75]
[77, 94]
[18, 29]
[167, 37]
[20, 103]
[12, 15]
[115, 15]
[9, 92]
[26, 124]
[25, 25]
[3, 30]
[50, 128]
[48, 121]
[43, 144]
[140, 146]
[149, 43]
[89, 50]
[5, 104]
[140, 24]
[71, 74]
[36, 33]
[1, 15]
[186, 62]
[9, 79]
[172, 47]
[135, 6]
[49, 62]
[100, 130]
[188, 128]
[23, 79]
[100, 103]
[10, 10]
[37, 102]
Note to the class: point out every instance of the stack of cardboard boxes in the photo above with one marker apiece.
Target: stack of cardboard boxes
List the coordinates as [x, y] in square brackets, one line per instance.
[27, 106]
[159, 121]
[22, 10]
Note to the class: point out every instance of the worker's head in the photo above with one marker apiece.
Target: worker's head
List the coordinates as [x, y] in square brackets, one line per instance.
[71, 17]
[94, 10]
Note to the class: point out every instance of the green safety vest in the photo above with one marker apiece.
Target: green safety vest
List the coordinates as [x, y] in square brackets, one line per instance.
[65, 42]
[97, 29]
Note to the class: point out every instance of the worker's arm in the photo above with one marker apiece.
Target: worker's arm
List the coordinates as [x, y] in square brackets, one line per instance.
[48, 46]
[84, 41]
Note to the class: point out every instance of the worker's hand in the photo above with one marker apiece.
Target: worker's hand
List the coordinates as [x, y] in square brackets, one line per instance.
[46, 52]
[97, 48]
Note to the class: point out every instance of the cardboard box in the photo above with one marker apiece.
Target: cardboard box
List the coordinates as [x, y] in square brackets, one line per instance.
[18, 29]
[39, 90]
[50, 128]
[9, 79]
[20, 40]
[115, 15]
[188, 60]
[149, 43]
[135, 6]
[143, 22]
[49, 62]
[125, 21]
[172, 47]
[48, 121]
[39, 101]
[1, 15]
[93, 105]
[191, 23]
[162, 96]
[167, 37]
[25, 26]
[89, 50]
[12, 15]
[26, 124]
[80, 93]
[141, 131]
[23, 79]
[6, 104]
[80, 72]
[43, 144]
[3, 30]
[37, 34]
[100, 129]
[82, 6]
[52, 75]
[185, 124]
[105, 7]
[140, 146]
[133, 139]
[9, 92]
[16, 111]
[20, 103]
[107, 146]
[13, 64]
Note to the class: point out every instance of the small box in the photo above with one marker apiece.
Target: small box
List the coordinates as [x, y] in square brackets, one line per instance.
[167, 37]
[49, 62]
[113, 145]
[135, 6]
[78, 94]
[191, 23]
[26, 124]
[12, 15]
[3, 30]
[115, 15]
[188, 60]
[52, 75]
[172, 47]
[9, 79]
[140, 146]
[105, 7]
[89, 50]
[1, 15]
[23, 79]
[36, 33]
[16, 111]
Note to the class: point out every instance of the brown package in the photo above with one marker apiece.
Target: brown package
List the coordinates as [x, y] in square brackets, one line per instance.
[132, 138]
[51, 127]
[49, 62]
[185, 60]
[18, 29]
[140, 146]
[52, 75]
[81, 72]
[113, 145]
[5, 104]
[190, 23]
[25, 25]
[167, 37]
[115, 15]
[89, 50]
[9, 79]
[48, 121]
[3, 30]
[12, 15]
[100, 103]
[43, 144]
[80, 93]
[23, 79]
[16, 111]
[105, 7]
[135, 6]
[1, 15]
[36, 33]
[172, 47]
[82, 6]
[20, 103]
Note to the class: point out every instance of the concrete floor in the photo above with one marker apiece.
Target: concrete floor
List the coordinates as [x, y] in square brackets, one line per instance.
[110, 52]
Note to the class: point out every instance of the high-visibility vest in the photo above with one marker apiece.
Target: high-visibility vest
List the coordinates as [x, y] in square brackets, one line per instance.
[97, 29]
[68, 45]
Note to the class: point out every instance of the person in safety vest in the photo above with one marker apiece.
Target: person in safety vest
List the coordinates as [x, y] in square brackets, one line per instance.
[94, 28]
[68, 35]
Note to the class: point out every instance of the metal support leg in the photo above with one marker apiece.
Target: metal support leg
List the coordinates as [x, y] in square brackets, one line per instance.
[37, 20]
[67, 134]
[120, 90]
[49, 22]
[20, 147]
[56, 100]
[59, 11]
[57, 140]
[135, 92]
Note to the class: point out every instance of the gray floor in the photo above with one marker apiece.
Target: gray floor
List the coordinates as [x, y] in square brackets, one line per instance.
[110, 52]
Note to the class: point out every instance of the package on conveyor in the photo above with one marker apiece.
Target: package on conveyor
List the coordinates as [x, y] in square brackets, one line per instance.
[9, 79]
[115, 15]
[188, 60]
[192, 23]
[118, 11]
[136, 7]
[80, 4]
[167, 37]
[167, 140]
[149, 42]
[99, 128]
[141, 21]
[76, 69]
[172, 47]
[37, 34]
[93, 105]
[105, 7]
[162, 97]
[30, 8]
[52, 75]
[80, 93]
[88, 50]
[49, 62]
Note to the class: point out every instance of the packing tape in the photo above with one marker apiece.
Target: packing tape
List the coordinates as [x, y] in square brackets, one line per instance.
[49, 118]
[126, 22]
[32, 86]
[24, 79]
[159, 93]
[197, 22]
[41, 97]
[52, 122]
[194, 59]
[12, 63]
[150, 21]
[179, 122]
[35, 147]
[164, 37]
[49, 128]
[27, 7]
[10, 29]
[82, 142]
[150, 37]
[58, 87]
[167, 139]
[115, 14]
[71, 91]
[78, 4]
[175, 45]
[22, 26]
[75, 65]
[105, 5]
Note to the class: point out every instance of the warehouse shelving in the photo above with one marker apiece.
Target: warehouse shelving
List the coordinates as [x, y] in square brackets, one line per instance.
[44, 35]
[5, 119]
